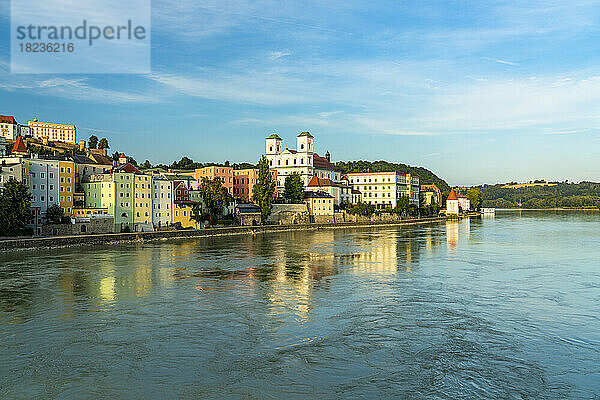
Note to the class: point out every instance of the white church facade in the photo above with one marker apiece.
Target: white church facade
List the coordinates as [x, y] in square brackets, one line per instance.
[303, 160]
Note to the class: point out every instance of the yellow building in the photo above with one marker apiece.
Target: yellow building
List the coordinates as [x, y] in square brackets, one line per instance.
[384, 189]
[53, 132]
[182, 211]
[142, 207]
[66, 185]
[320, 204]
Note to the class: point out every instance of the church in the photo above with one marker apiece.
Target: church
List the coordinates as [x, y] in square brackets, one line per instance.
[303, 160]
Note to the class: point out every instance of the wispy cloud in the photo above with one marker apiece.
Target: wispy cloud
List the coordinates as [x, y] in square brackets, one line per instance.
[566, 131]
[500, 61]
[274, 55]
[75, 89]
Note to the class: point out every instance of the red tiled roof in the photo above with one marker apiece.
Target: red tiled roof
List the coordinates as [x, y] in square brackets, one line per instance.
[317, 182]
[322, 162]
[452, 195]
[127, 168]
[19, 146]
[7, 119]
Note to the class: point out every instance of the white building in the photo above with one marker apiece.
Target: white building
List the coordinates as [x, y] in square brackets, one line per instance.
[452, 204]
[384, 189]
[162, 201]
[303, 161]
[10, 129]
[463, 202]
[341, 192]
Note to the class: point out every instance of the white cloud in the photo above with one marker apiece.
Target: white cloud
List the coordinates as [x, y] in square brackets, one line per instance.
[274, 55]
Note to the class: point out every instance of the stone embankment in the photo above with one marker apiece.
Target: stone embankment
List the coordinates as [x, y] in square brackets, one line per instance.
[114, 238]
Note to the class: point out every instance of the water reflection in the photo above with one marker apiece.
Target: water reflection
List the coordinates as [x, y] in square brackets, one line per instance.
[283, 272]
[432, 310]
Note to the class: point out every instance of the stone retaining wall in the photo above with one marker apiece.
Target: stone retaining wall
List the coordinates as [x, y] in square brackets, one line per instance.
[102, 239]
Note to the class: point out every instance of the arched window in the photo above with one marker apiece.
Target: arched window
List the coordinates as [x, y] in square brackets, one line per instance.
[302, 146]
[270, 149]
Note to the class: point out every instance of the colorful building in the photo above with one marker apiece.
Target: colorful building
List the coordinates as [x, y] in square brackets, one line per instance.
[162, 201]
[223, 173]
[244, 181]
[431, 194]
[182, 212]
[341, 192]
[142, 206]
[319, 204]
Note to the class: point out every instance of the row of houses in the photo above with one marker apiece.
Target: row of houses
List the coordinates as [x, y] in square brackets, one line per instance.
[92, 184]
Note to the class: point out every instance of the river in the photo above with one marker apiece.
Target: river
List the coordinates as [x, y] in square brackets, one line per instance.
[494, 307]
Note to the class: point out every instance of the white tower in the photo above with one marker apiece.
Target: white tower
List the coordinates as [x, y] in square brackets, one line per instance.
[304, 142]
[273, 144]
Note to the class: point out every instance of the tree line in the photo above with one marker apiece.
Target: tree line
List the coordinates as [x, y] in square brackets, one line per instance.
[559, 195]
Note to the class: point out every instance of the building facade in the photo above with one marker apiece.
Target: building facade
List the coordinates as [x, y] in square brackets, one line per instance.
[162, 201]
[452, 204]
[384, 189]
[302, 161]
[319, 204]
[142, 206]
[244, 181]
[223, 173]
[9, 128]
[53, 132]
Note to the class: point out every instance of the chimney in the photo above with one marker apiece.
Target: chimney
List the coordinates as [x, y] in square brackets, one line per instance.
[81, 145]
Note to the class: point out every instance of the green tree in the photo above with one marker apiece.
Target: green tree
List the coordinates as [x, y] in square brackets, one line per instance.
[15, 207]
[475, 196]
[93, 142]
[264, 189]
[402, 204]
[54, 214]
[293, 188]
[103, 144]
[196, 213]
[365, 209]
[215, 197]
[146, 165]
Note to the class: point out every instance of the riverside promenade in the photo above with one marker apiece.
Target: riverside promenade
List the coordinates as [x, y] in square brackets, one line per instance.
[114, 238]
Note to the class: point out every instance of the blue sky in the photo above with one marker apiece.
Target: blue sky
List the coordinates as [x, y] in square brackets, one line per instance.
[475, 91]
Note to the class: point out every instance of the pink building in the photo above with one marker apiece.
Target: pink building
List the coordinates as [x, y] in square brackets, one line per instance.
[244, 181]
[224, 173]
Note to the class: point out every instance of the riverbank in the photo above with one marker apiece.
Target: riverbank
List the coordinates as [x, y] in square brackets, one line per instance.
[116, 238]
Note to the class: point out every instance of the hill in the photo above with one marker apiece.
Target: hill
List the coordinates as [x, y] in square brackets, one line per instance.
[426, 176]
[552, 195]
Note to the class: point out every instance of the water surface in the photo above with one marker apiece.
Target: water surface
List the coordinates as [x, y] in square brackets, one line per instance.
[504, 307]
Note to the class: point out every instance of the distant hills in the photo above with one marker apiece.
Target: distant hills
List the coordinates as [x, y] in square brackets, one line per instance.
[542, 195]
[426, 177]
